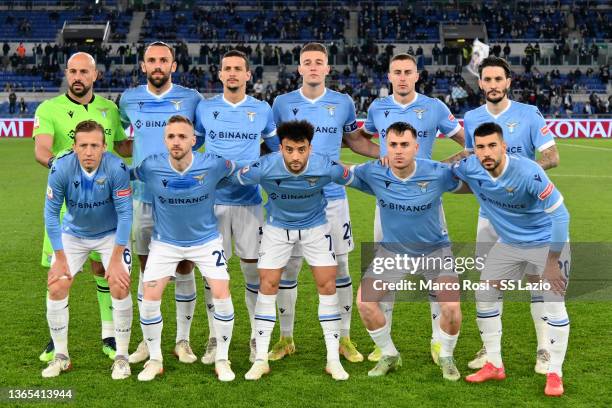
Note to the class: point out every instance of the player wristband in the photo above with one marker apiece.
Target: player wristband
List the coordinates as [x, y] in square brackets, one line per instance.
[50, 162]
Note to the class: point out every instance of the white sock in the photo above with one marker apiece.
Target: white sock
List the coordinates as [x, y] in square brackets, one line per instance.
[287, 295]
[558, 333]
[538, 314]
[387, 307]
[344, 289]
[382, 338]
[224, 326]
[140, 287]
[108, 329]
[185, 297]
[251, 288]
[265, 318]
[447, 343]
[490, 326]
[329, 317]
[152, 324]
[210, 310]
[435, 317]
[57, 318]
[122, 316]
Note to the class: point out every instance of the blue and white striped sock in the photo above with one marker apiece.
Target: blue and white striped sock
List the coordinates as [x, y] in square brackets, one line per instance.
[265, 318]
[185, 297]
[224, 326]
[489, 323]
[152, 324]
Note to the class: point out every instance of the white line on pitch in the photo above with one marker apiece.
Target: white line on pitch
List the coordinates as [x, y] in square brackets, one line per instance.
[585, 147]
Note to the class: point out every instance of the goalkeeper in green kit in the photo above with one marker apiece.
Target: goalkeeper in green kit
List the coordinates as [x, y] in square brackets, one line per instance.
[54, 125]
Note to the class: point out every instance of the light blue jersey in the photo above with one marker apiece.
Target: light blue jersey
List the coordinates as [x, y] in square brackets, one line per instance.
[234, 131]
[410, 209]
[519, 202]
[148, 113]
[183, 204]
[427, 115]
[97, 204]
[332, 114]
[523, 126]
[295, 201]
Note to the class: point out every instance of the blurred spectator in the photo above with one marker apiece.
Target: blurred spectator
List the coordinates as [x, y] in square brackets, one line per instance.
[12, 102]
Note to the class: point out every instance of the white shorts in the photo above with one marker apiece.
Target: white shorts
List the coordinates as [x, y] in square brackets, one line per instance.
[277, 244]
[378, 234]
[142, 227]
[164, 258]
[486, 238]
[339, 220]
[244, 224]
[77, 251]
[507, 262]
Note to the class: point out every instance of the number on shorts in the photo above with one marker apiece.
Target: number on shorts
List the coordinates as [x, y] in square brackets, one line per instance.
[564, 266]
[329, 238]
[348, 231]
[220, 257]
[127, 256]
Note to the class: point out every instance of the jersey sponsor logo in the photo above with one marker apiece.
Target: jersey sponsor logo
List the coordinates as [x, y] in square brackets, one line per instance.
[422, 133]
[235, 135]
[182, 201]
[514, 149]
[511, 126]
[544, 130]
[547, 191]
[501, 204]
[88, 205]
[251, 116]
[49, 193]
[423, 186]
[404, 207]
[124, 193]
[288, 196]
[419, 112]
[326, 129]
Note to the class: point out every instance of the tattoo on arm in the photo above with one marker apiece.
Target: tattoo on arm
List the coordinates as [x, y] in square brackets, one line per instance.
[549, 158]
[151, 284]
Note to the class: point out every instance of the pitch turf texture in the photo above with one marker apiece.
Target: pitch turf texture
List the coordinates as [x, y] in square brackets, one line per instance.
[584, 177]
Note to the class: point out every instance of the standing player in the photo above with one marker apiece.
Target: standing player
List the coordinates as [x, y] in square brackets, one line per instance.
[409, 193]
[147, 108]
[233, 125]
[428, 116]
[183, 185]
[96, 187]
[528, 213]
[54, 124]
[333, 116]
[525, 131]
[294, 180]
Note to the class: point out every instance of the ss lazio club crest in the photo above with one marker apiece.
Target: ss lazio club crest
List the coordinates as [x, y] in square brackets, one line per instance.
[177, 104]
[251, 116]
[510, 190]
[312, 181]
[331, 110]
[511, 126]
[103, 112]
[423, 186]
[419, 112]
[100, 182]
[200, 177]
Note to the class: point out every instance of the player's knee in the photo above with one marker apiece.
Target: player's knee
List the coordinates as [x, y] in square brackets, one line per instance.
[268, 286]
[117, 291]
[327, 288]
[59, 290]
[366, 309]
[451, 311]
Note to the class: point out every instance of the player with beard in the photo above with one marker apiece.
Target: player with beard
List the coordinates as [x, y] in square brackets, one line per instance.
[147, 108]
[524, 132]
[54, 124]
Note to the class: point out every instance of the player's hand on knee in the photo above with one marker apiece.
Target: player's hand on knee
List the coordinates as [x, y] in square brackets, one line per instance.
[554, 276]
[117, 275]
[59, 270]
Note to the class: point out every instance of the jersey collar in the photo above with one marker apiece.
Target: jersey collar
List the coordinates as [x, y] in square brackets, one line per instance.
[403, 180]
[234, 105]
[316, 99]
[182, 173]
[500, 113]
[416, 96]
[93, 96]
[160, 95]
[503, 170]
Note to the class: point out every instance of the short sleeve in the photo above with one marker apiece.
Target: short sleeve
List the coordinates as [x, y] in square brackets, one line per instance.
[369, 125]
[44, 120]
[447, 123]
[350, 123]
[270, 128]
[541, 136]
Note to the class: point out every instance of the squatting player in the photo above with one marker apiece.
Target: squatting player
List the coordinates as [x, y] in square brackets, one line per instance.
[528, 213]
[525, 131]
[147, 108]
[428, 116]
[409, 195]
[54, 124]
[96, 188]
[233, 125]
[183, 185]
[294, 180]
[333, 116]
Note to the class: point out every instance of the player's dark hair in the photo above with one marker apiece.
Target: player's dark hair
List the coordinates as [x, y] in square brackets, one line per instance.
[494, 61]
[89, 126]
[179, 119]
[400, 127]
[488, 129]
[161, 44]
[403, 57]
[314, 46]
[237, 53]
[296, 131]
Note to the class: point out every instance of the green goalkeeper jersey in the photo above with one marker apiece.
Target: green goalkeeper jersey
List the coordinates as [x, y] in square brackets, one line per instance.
[59, 116]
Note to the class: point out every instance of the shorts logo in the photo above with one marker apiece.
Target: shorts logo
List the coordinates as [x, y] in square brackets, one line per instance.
[544, 130]
[451, 117]
[49, 193]
[419, 112]
[423, 185]
[547, 191]
[124, 193]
